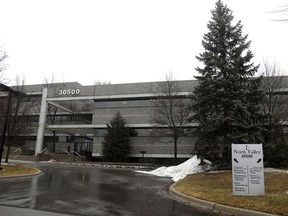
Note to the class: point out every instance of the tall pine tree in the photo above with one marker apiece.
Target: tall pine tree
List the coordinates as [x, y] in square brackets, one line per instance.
[226, 103]
[116, 144]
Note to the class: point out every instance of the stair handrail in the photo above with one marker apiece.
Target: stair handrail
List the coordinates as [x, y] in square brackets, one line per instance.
[17, 155]
[65, 151]
[42, 151]
[77, 154]
[18, 149]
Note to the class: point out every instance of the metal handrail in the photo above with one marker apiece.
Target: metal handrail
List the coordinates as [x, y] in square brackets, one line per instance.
[15, 151]
[77, 154]
[18, 149]
[65, 151]
[16, 156]
[43, 151]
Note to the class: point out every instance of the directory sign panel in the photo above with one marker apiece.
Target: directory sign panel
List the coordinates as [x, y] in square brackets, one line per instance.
[248, 170]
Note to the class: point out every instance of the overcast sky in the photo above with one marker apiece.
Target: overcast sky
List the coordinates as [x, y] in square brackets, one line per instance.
[124, 41]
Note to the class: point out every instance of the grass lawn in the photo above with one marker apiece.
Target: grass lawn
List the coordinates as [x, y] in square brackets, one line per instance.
[217, 187]
[17, 170]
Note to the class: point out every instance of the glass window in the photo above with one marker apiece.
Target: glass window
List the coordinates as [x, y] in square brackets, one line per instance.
[100, 104]
[112, 104]
[122, 104]
[135, 103]
[145, 103]
[99, 132]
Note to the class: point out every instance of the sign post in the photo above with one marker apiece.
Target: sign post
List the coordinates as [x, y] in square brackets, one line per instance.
[248, 170]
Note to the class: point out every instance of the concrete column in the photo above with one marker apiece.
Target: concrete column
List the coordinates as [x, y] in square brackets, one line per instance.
[42, 122]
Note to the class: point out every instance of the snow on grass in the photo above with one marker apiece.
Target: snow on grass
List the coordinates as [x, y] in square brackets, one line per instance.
[180, 171]
[275, 170]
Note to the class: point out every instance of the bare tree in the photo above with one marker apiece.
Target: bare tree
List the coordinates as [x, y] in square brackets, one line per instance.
[3, 56]
[21, 112]
[98, 82]
[170, 111]
[48, 81]
[3, 105]
[283, 10]
[275, 108]
[276, 99]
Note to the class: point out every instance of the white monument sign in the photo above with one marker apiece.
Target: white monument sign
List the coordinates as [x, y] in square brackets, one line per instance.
[248, 169]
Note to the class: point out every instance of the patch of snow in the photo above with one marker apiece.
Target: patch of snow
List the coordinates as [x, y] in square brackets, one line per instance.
[104, 165]
[51, 161]
[207, 162]
[8, 164]
[180, 171]
[275, 170]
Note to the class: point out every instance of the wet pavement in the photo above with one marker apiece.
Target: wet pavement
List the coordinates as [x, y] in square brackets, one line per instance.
[92, 191]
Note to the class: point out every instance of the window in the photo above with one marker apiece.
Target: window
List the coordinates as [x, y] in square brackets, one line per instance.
[99, 132]
[122, 104]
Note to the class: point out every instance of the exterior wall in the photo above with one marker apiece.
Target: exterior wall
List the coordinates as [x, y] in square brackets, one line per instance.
[106, 91]
[162, 148]
[101, 102]
[133, 115]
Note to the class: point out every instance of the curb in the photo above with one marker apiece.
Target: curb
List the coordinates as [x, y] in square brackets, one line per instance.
[211, 206]
[19, 176]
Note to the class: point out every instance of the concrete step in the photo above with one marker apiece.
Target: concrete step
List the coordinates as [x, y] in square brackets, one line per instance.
[24, 158]
[58, 157]
[12, 152]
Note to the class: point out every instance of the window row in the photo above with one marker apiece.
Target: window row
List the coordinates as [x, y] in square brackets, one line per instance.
[121, 104]
[148, 132]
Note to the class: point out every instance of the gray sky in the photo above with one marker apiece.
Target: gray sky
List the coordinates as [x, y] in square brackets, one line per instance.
[125, 41]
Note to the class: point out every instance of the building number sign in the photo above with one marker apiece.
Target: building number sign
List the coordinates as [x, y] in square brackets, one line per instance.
[69, 91]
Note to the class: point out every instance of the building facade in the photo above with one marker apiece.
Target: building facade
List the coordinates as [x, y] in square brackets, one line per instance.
[71, 118]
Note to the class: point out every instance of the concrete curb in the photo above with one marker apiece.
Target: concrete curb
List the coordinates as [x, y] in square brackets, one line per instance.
[24, 175]
[213, 206]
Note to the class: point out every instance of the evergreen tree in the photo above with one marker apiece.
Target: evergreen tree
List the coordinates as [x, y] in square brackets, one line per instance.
[226, 103]
[116, 144]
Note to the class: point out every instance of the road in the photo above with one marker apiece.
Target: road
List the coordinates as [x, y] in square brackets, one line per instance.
[92, 191]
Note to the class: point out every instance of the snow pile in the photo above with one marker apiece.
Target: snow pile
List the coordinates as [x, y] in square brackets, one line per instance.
[51, 161]
[102, 165]
[182, 170]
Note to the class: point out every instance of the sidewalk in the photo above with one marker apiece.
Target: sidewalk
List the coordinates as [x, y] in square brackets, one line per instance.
[14, 211]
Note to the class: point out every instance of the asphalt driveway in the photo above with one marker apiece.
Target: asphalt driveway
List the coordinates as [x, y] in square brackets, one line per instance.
[93, 191]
